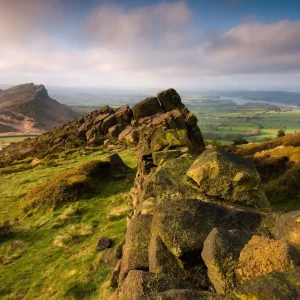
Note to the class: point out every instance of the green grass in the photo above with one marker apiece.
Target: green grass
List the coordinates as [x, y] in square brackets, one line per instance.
[222, 121]
[52, 253]
[15, 139]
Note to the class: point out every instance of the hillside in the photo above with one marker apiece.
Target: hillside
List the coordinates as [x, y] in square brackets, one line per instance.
[27, 108]
[128, 204]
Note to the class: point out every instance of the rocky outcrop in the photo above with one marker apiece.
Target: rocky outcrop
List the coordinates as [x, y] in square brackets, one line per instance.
[228, 176]
[125, 125]
[192, 234]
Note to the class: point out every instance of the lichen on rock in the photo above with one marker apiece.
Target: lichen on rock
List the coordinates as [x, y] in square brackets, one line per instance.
[229, 177]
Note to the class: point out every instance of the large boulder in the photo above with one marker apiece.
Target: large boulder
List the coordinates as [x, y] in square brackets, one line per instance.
[108, 122]
[275, 286]
[220, 253]
[170, 100]
[287, 227]
[229, 177]
[135, 249]
[129, 135]
[118, 168]
[183, 294]
[262, 255]
[123, 115]
[139, 283]
[148, 107]
[166, 182]
[184, 224]
[100, 118]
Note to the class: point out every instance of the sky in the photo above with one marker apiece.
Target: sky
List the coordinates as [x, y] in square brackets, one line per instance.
[192, 44]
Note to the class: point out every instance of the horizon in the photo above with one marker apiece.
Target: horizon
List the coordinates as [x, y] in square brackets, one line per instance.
[189, 45]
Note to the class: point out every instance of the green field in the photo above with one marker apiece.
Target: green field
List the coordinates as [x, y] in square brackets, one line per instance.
[35, 261]
[224, 121]
[15, 139]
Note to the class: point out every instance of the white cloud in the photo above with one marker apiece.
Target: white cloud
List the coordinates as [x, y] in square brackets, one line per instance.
[154, 45]
[161, 24]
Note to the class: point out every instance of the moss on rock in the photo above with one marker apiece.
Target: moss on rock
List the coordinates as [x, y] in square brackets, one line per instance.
[135, 249]
[170, 139]
[220, 253]
[275, 286]
[229, 177]
[139, 283]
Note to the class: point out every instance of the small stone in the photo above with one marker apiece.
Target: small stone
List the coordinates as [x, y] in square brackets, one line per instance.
[104, 243]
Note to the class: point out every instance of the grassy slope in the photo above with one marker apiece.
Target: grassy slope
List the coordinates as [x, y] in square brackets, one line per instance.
[32, 266]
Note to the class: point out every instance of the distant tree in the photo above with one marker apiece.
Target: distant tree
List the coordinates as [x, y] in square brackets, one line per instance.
[240, 141]
[281, 132]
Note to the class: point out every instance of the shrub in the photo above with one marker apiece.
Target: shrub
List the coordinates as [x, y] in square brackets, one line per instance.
[71, 185]
[67, 186]
[280, 133]
[286, 187]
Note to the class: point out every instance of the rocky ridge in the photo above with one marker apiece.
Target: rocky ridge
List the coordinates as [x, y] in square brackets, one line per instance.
[123, 125]
[200, 219]
[27, 108]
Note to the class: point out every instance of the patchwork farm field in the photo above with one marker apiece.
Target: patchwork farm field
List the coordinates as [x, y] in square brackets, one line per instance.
[224, 121]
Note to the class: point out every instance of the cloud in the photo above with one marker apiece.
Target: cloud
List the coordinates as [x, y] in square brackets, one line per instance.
[24, 20]
[164, 23]
[255, 47]
[145, 46]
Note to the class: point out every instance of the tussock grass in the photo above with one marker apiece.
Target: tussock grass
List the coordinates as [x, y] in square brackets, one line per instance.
[68, 186]
[12, 251]
[72, 234]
